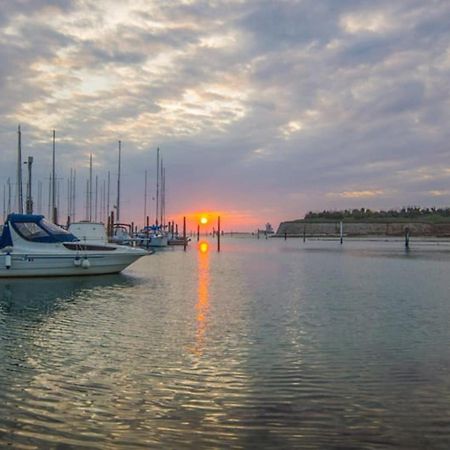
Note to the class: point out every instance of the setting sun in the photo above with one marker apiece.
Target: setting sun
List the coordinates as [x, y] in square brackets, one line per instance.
[203, 220]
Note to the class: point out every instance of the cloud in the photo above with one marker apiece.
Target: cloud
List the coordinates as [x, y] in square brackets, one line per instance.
[262, 107]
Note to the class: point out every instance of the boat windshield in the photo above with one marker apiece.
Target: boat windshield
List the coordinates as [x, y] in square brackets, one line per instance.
[42, 231]
[53, 229]
[30, 230]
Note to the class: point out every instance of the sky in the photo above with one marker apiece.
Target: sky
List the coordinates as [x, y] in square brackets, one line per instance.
[262, 110]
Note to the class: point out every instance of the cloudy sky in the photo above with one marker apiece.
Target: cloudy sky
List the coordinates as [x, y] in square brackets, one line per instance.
[263, 110]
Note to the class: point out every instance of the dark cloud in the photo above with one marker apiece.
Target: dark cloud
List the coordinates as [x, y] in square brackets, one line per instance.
[273, 108]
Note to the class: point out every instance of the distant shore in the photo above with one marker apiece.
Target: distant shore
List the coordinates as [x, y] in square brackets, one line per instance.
[374, 227]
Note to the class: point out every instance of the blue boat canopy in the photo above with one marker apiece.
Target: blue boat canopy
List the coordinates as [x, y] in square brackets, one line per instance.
[34, 228]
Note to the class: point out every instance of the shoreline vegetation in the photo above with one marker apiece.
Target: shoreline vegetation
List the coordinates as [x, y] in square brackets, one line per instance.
[430, 222]
[409, 214]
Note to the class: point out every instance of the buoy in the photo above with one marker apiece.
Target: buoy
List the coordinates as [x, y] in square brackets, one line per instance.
[85, 264]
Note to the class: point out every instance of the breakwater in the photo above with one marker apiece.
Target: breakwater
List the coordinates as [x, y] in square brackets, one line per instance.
[360, 229]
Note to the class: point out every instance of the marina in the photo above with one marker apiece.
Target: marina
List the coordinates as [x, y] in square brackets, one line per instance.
[225, 225]
[247, 348]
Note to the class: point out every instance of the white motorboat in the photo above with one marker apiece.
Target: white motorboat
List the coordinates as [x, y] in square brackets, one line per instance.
[30, 247]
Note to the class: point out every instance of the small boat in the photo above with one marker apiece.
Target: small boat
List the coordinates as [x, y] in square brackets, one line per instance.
[31, 246]
[152, 236]
[178, 240]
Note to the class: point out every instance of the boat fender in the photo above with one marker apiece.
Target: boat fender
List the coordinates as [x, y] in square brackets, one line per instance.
[8, 260]
[77, 261]
[85, 264]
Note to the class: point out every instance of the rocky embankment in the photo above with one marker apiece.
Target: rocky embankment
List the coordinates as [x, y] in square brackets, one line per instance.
[329, 229]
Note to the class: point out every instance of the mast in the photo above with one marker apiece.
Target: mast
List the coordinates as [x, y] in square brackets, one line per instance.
[39, 199]
[19, 172]
[157, 186]
[145, 198]
[118, 185]
[74, 196]
[96, 198]
[90, 190]
[29, 202]
[69, 194]
[54, 210]
[9, 196]
[49, 196]
[108, 196]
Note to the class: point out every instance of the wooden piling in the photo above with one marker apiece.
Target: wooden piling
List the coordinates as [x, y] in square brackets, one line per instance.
[341, 231]
[218, 234]
[184, 233]
[198, 233]
[407, 237]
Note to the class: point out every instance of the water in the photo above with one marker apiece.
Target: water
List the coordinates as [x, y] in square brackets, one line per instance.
[269, 344]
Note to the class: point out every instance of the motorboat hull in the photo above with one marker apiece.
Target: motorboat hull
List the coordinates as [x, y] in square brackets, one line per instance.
[45, 265]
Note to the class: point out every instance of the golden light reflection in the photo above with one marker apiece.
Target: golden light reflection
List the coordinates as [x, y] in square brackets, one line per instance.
[202, 305]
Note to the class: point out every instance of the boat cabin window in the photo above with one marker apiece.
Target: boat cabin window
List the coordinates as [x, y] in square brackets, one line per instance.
[30, 230]
[53, 229]
[43, 231]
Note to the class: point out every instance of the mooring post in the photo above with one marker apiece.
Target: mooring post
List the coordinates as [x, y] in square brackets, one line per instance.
[285, 236]
[341, 231]
[406, 237]
[304, 232]
[198, 232]
[184, 233]
[218, 234]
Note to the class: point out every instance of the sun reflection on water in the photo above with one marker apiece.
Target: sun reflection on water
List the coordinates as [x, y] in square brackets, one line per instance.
[202, 304]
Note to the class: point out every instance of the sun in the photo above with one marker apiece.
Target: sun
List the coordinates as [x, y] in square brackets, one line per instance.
[203, 220]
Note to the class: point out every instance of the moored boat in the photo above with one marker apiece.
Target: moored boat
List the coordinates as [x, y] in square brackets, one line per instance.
[30, 246]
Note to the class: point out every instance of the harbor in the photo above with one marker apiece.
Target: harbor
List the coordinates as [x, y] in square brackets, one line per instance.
[224, 225]
[247, 348]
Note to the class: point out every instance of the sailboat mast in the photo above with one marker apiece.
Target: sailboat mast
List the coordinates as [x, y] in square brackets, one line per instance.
[90, 189]
[19, 172]
[108, 196]
[54, 210]
[157, 186]
[145, 198]
[118, 184]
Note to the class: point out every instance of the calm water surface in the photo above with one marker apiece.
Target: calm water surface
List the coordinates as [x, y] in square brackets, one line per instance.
[269, 344]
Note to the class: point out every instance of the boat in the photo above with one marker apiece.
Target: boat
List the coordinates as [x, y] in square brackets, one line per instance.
[121, 234]
[31, 246]
[175, 239]
[152, 236]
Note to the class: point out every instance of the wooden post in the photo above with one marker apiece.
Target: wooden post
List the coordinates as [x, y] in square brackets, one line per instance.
[304, 232]
[341, 231]
[285, 236]
[184, 233]
[198, 233]
[407, 237]
[218, 234]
